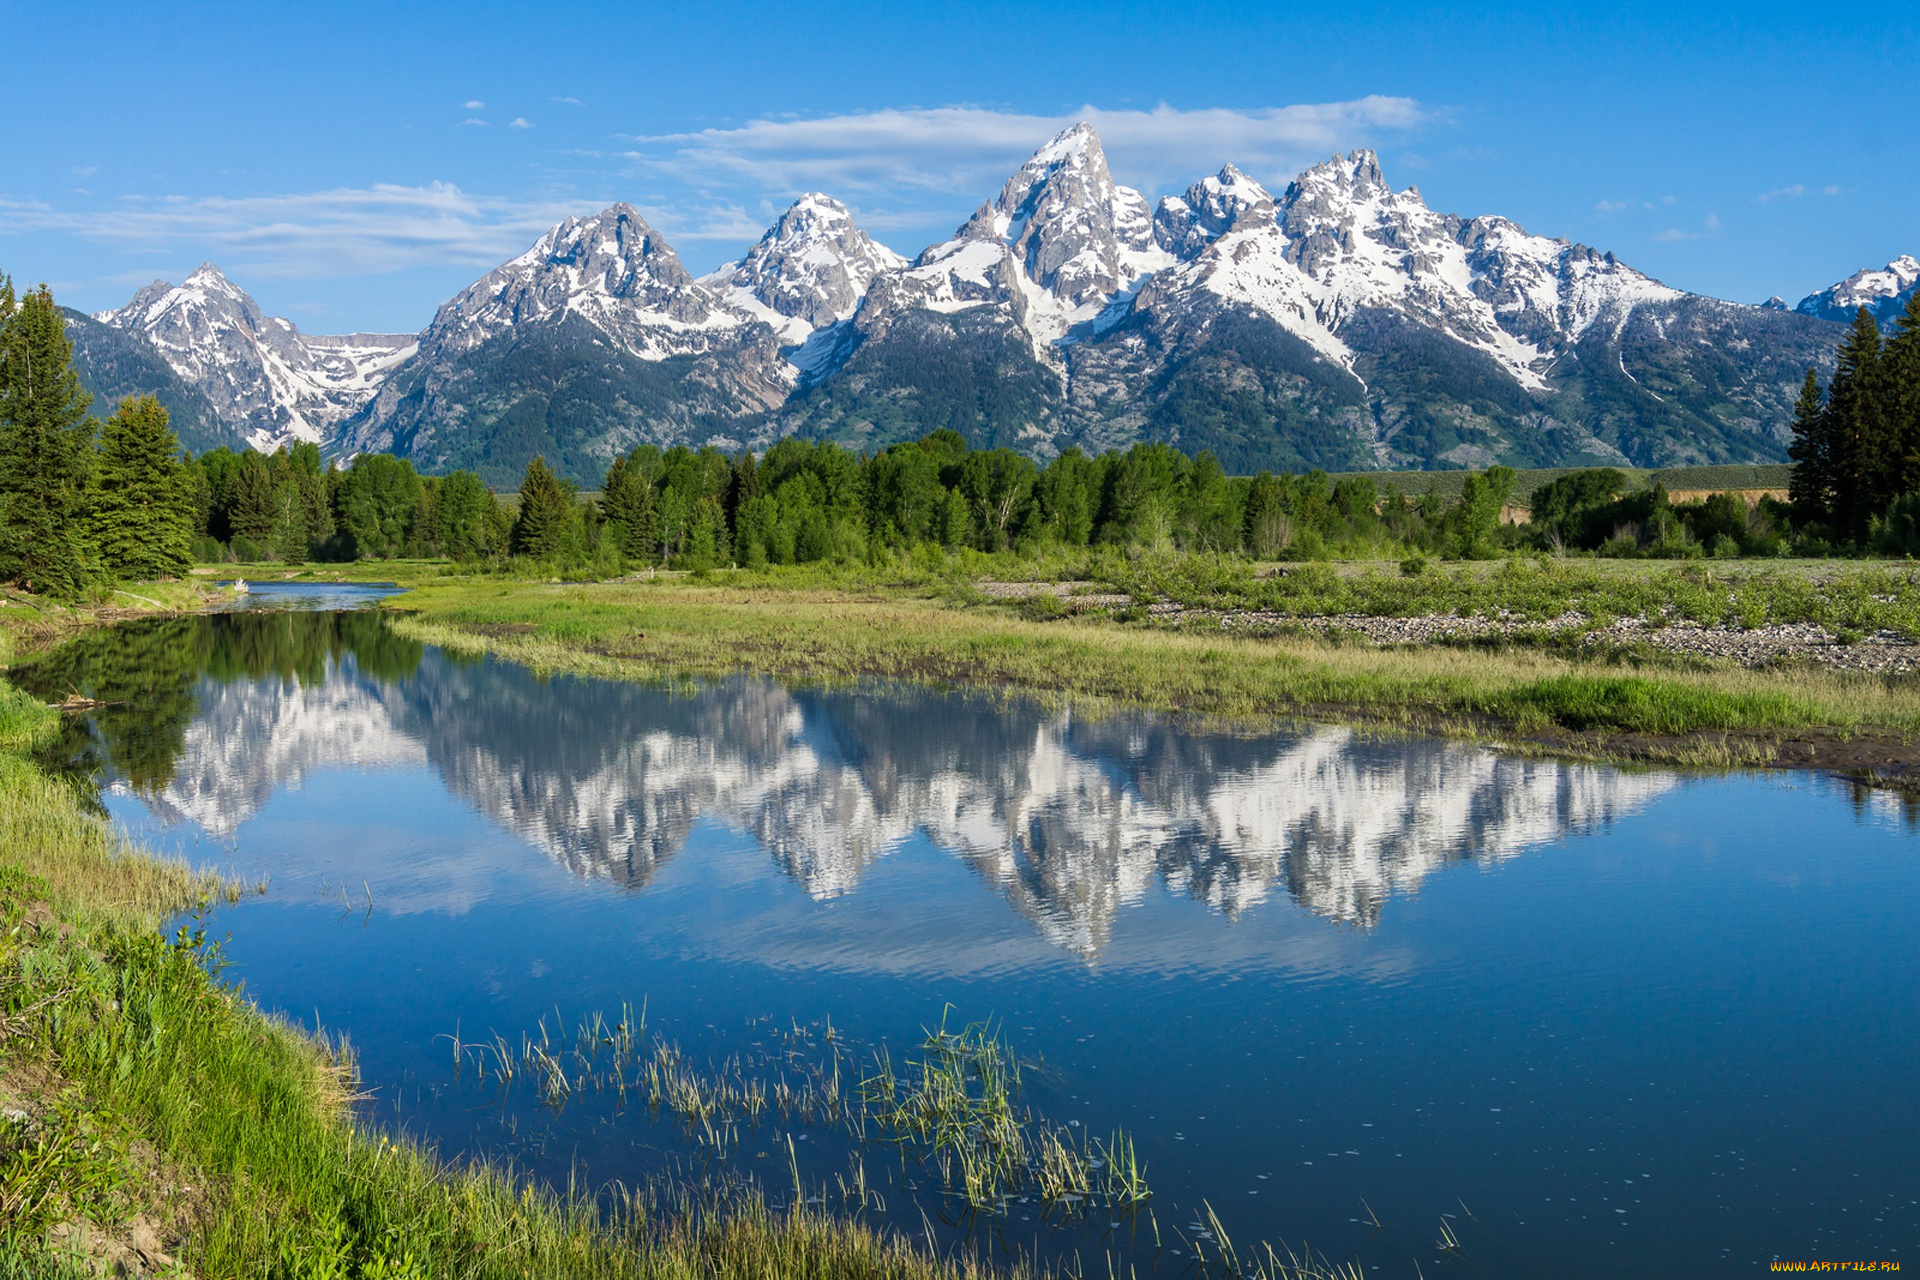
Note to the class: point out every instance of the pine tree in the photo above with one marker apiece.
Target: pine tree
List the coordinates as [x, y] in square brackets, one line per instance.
[143, 503]
[251, 510]
[1810, 489]
[1901, 383]
[46, 451]
[546, 513]
[1857, 439]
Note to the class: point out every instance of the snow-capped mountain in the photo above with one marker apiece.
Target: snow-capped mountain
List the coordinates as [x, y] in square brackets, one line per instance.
[590, 342]
[1054, 249]
[270, 382]
[809, 271]
[1884, 291]
[611, 270]
[1341, 324]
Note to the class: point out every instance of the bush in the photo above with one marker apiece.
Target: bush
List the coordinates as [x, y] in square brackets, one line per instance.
[210, 551]
[1413, 566]
[1043, 606]
[247, 551]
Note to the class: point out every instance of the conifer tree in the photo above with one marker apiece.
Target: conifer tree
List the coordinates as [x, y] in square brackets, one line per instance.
[1810, 489]
[46, 450]
[1855, 432]
[546, 513]
[143, 514]
[251, 510]
[1901, 382]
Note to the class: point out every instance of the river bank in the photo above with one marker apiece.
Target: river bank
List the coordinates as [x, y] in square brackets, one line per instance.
[1531, 691]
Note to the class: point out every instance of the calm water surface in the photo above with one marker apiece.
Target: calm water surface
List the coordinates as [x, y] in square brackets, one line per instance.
[1598, 1022]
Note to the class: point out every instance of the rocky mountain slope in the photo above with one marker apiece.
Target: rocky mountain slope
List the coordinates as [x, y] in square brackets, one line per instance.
[1339, 323]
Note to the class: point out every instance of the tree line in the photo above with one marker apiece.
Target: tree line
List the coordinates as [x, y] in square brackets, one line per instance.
[84, 502]
[1856, 442]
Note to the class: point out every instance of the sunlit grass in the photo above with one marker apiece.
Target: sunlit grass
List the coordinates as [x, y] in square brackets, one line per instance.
[663, 630]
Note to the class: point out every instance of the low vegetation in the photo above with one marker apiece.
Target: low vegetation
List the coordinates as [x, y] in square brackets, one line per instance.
[922, 626]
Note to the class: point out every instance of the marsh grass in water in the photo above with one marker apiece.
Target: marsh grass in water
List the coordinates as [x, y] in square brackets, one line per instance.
[952, 1108]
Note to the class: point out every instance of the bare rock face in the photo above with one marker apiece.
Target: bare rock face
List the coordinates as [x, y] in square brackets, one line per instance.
[266, 379]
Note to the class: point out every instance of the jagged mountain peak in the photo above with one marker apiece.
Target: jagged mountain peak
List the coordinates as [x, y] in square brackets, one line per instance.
[612, 269]
[1072, 230]
[271, 383]
[615, 250]
[1355, 176]
[1210, 209]
[206, 294]
[809, 270]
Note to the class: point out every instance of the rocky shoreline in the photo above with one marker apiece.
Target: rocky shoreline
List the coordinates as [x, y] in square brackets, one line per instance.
[1876, 653]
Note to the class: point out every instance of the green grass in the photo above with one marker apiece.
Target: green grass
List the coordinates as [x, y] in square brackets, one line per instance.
[670, 629]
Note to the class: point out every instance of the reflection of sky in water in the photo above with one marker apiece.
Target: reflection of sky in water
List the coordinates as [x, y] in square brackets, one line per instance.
[1304, 968]
[272, 594]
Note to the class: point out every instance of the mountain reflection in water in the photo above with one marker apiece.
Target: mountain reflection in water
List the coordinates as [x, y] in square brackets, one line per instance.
[1071, 818]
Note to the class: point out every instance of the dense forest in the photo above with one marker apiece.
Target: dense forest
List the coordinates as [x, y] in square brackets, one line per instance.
[83, 502]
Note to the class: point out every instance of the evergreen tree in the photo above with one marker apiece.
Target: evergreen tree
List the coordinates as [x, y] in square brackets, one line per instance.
[46, 450]
[251, 509]
[1810, 490]
[143, 505]
[546, 513]
[627, 501]
[378, 498]
[1901, 382]
[463, 517]
[1855, 430]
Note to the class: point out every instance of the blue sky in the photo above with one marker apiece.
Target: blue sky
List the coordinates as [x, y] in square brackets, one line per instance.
[352, 165]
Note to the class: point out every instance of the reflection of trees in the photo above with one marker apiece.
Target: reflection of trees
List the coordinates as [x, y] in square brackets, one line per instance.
[148, 672]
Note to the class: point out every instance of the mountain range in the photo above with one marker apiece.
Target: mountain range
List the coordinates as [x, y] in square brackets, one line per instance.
[1339, 323]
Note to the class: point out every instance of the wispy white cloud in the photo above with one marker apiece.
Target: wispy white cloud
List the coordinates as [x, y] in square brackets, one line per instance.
[969, 150]
[313, 235]
[473, 105]
[473, 122]
[519, 122]
[1793, 192]
[1610, 206]
[571, 102]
